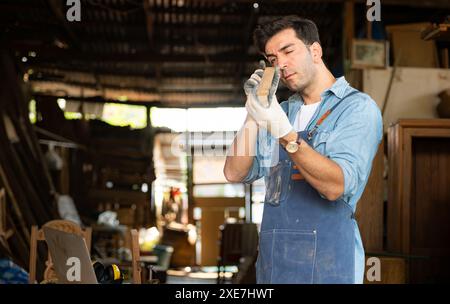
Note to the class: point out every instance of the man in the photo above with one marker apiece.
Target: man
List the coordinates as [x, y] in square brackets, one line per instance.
[328, 134]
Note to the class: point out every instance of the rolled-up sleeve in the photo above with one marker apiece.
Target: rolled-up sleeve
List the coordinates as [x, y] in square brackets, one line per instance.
[253, 173]
[354, 143]
[262, 161]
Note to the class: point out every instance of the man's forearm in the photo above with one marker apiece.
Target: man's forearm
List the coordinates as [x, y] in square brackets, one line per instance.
[320, 172]
[242, 151]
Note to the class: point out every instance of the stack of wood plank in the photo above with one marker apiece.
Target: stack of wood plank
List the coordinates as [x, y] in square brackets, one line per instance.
[23, 171]
[123, 172]
[112, 170]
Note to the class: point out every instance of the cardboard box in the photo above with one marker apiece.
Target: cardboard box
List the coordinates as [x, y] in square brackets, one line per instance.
[408, 47]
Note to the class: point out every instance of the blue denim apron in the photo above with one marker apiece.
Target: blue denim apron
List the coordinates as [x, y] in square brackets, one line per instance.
[304, 238]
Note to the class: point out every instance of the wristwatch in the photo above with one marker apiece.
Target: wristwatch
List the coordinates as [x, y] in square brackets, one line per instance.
[293, 146]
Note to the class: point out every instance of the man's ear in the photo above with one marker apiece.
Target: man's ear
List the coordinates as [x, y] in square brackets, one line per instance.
[316, 52]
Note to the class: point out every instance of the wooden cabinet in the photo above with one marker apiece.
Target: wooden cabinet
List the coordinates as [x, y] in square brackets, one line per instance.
[369, 211]
[418, 213]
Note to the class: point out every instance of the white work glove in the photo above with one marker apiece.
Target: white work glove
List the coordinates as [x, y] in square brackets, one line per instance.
[272, 118]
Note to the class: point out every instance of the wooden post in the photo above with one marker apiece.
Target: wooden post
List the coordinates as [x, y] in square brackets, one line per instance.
[33, 255]
[369, 29]
[349, 31]
[135, 256]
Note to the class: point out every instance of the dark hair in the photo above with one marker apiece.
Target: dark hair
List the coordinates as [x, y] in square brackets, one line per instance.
[305, 29]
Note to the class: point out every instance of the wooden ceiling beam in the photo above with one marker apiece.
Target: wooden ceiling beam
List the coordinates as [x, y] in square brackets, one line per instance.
[56, 54]
[156, 89]
[126, 72]
[58, 10]
[105, 72]
[181, 104]
[149, 22]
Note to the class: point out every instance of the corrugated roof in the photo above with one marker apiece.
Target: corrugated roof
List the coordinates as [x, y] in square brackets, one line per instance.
[171, 52]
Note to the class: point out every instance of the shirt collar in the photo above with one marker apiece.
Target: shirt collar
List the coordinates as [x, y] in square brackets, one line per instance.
[338, 89]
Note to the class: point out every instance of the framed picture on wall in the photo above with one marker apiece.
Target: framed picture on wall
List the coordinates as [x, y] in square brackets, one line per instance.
[368, 53]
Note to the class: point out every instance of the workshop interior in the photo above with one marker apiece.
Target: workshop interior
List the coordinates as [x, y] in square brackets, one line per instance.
[116, 117]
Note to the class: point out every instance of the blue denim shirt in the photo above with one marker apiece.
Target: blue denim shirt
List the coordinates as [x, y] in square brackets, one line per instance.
[350, 136]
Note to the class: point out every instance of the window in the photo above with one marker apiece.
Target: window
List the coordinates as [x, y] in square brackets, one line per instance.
[199, 119]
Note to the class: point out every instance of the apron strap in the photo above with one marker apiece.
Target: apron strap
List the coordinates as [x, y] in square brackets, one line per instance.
[326, 114]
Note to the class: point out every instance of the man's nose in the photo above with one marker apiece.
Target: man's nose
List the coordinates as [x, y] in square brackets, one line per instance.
[282, 65]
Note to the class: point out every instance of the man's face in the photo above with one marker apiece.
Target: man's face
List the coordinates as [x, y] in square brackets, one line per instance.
[294, 59]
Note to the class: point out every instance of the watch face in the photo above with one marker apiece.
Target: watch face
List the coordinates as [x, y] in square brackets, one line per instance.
[292, 147]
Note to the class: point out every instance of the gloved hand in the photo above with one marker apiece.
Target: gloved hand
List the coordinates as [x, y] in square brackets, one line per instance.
[271, 118]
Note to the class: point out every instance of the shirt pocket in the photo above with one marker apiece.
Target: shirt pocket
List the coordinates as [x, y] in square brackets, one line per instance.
[319, 141]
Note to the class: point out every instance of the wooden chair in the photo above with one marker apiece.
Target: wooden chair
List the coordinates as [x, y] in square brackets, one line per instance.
[135, 256]
[38, 235]
[236, 240]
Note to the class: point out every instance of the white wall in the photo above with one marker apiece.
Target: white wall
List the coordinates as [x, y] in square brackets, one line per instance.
[414, 91]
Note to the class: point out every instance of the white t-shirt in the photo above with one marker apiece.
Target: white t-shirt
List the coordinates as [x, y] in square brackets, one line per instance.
[304, 115]
[302, 119]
